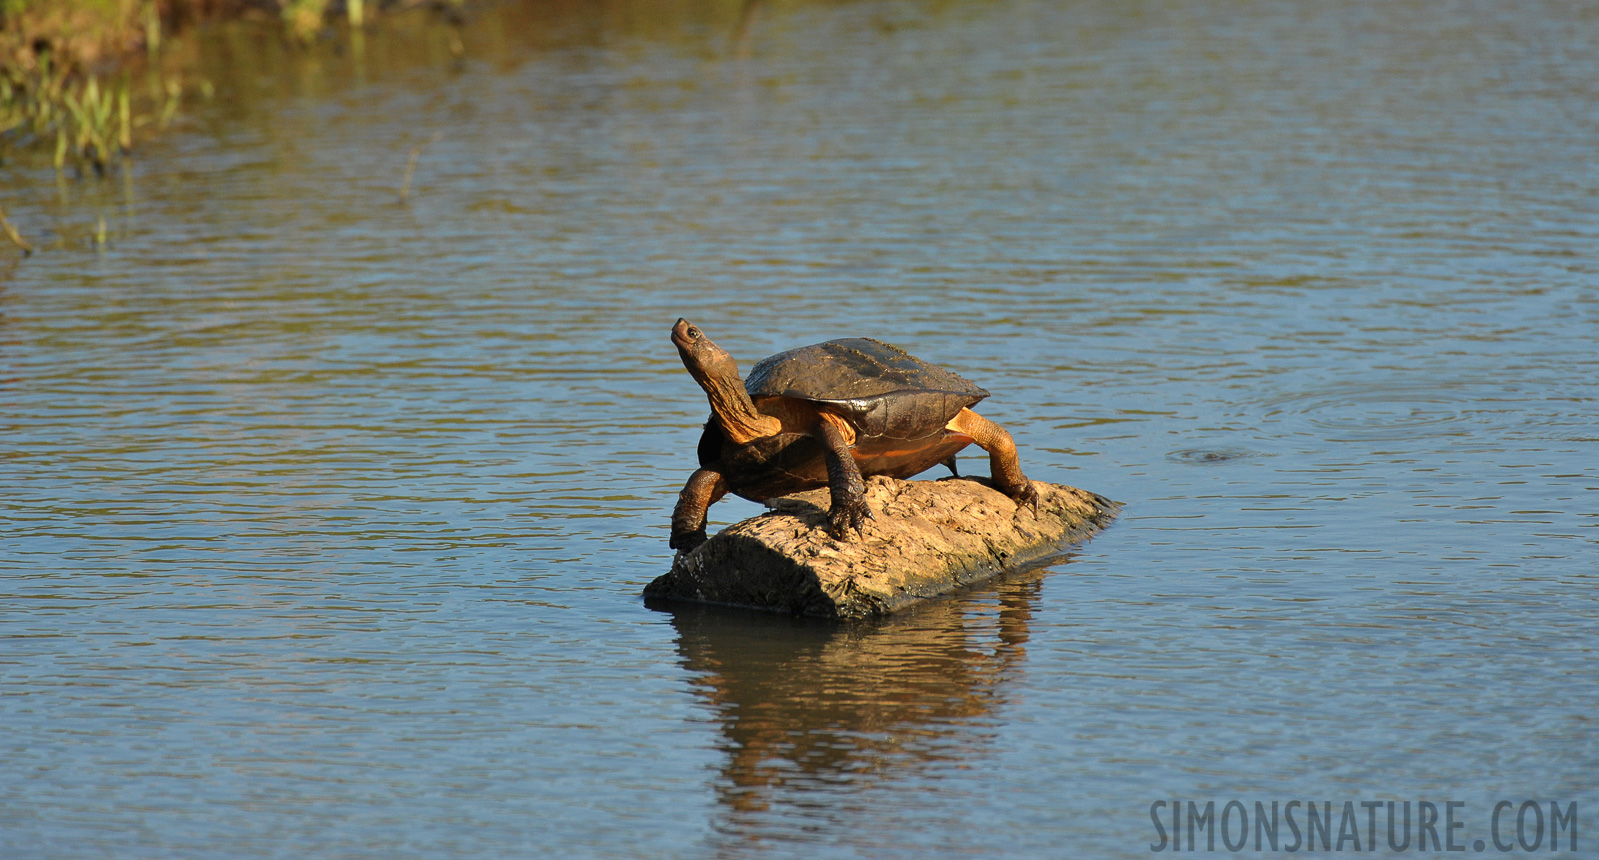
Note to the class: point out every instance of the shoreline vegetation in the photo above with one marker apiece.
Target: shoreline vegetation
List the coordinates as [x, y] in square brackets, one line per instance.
[67, 67]
[87, 85]
[82, 81]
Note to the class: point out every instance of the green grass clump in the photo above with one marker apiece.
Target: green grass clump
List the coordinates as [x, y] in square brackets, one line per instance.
[84, 118]
[54, 92]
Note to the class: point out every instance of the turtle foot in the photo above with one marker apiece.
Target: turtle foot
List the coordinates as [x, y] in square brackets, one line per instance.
[847, 516]
[1027, 496]
[687, 541]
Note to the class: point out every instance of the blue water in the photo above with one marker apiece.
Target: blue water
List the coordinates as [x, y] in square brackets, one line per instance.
[326, 516]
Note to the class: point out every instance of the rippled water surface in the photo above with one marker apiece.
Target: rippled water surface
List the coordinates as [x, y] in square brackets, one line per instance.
[326, 517]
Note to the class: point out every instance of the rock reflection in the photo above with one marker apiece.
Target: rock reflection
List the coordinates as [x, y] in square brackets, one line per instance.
[744, 33]
[810, 711]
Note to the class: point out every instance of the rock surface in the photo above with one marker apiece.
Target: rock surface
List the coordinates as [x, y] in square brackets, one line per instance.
[928, 538]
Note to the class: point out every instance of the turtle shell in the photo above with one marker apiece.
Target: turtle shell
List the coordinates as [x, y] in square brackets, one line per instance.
[881, 389]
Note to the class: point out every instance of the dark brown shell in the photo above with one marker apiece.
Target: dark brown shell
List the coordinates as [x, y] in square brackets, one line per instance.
[882, 389]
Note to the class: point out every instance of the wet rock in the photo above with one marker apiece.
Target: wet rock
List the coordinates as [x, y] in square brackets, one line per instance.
[928, 538]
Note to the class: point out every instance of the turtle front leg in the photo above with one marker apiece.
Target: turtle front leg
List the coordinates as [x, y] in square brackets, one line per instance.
[704, 488]
[849, 509]
[1003, 463]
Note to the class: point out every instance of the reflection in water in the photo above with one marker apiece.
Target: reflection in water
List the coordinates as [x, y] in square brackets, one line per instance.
[809, 710]
[744, 33]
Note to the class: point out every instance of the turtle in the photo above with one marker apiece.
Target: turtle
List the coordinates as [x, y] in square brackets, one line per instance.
[829, 415]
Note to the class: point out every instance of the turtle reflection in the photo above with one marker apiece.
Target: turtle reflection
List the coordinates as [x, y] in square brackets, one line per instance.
[807, 707]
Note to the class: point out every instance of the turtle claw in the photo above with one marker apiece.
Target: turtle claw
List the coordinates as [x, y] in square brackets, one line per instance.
[687, 542]
[1029, 497]
[846, 516]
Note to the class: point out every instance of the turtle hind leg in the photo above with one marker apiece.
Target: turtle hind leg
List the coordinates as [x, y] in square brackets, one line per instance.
[1003, 463]
[704, 488]
[949, 462]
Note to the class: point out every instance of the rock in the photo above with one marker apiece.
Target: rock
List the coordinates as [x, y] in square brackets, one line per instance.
[928, 538]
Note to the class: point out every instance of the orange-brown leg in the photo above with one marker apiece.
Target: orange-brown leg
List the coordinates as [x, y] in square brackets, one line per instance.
[1002, 460]
[848, 509]
[704, 488]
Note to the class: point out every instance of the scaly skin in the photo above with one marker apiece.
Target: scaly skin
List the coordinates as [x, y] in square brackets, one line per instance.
[704, 488]
[1003, 463]
[849, 509]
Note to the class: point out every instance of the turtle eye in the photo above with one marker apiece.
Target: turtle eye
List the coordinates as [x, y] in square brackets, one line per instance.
[693, 333]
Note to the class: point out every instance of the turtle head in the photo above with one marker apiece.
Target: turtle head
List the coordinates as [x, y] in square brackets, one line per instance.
[717, 373]
[708, 363]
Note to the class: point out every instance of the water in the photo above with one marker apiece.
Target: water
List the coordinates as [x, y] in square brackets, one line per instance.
[326, 517]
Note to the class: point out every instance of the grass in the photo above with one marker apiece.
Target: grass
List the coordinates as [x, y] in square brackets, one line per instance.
[68, 70]
[80, 116]
[65, 67]
[63, 84]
